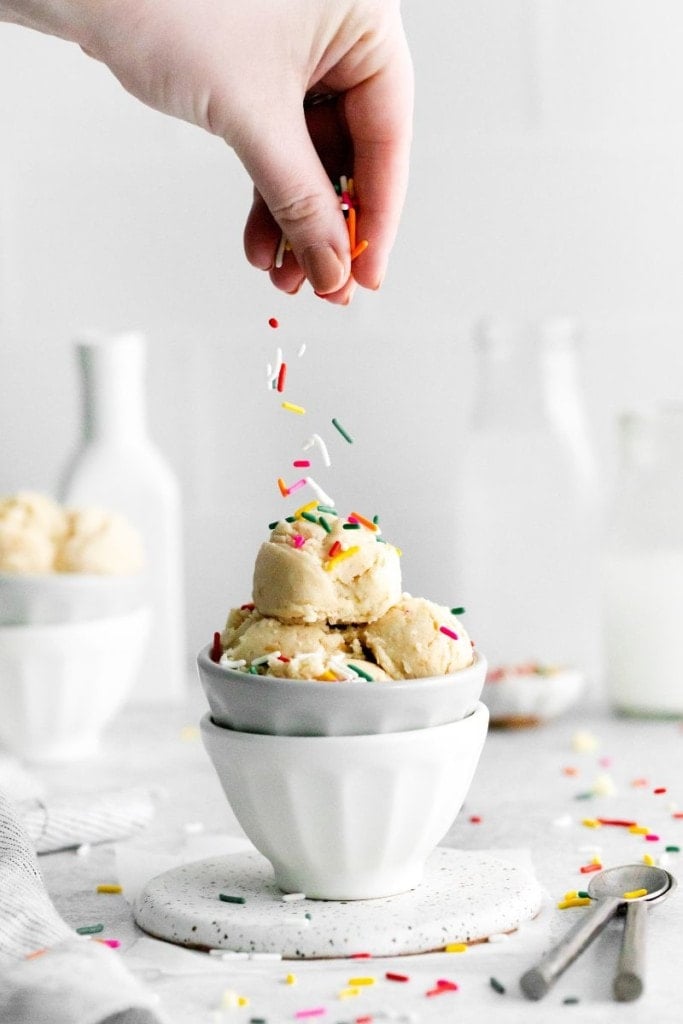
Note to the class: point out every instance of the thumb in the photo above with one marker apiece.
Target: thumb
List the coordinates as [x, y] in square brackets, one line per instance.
[286, 170]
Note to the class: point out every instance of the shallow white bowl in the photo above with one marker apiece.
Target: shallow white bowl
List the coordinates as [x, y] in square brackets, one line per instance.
[528, 699]
[61, 684]
[298, 707]
[48, 598]
[347, 817]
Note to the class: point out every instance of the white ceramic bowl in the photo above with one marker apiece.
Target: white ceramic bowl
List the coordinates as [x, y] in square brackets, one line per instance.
[530, 698]
[61, 684]
[347, 817]
[48, 598]
[297, 707]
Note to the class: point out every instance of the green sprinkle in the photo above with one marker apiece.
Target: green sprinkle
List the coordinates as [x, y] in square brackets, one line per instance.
[309, 517]
[380, 540]
[457, 611]
[583, 895]
[90, 929]
[497, 986]
[309, 917]
[351, 526]
[290, 519]
[570, 1001]
[326, 508]
[584, 796]
[344, 434]
[271, 526]
[325, 525]
[375, 520]
[672, 849]
[253, 671]
[226, 898]
[362, 673]
[258, 1020]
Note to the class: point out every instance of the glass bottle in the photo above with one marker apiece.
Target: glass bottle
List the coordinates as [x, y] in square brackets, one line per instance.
[528, 521]
[118, 467]
[643, 566]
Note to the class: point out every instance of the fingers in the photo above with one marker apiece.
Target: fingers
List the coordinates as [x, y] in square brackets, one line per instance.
[297, 194]
[379, 118]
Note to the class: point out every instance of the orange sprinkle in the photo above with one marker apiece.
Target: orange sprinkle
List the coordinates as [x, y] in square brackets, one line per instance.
[283, 487]
[364, 522]
[588, 868]
[351, 224]
[36, 953]
[361, 247]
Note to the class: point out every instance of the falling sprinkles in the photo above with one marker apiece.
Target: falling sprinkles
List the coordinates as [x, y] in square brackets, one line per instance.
[344, 433]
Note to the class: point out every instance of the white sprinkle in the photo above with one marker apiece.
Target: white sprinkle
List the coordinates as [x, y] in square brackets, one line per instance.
[264, 659]
[83, 850]
[280, 254]
[317, 439]
[302, 349]
[323, 498]
[265, 956]
[308, 443]
[292, 897]
[343, 183]
[564, 822]
[231, 663]
[269, 372]
[193, 828]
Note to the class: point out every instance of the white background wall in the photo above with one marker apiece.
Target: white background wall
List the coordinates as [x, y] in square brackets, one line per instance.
[546, 180]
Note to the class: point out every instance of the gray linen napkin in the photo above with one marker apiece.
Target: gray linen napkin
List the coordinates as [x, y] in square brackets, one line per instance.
[74, 980]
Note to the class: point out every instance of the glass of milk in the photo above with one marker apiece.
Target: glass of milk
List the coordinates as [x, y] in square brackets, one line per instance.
[643, 566]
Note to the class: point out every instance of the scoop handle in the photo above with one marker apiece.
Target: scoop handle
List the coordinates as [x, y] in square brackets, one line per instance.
[628, 981]
[537, 981]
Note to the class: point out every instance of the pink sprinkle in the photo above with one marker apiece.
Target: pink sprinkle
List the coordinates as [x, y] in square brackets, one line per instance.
[651, 838]
[605, 762]
[316, 1011]
[448, 632]
[299, 541]
[297, 485]
[301, 463]
[351, 519]
[445, 983]
[112, 943]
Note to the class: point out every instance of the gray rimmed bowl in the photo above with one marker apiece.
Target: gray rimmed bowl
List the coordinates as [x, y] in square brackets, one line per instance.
[297, 707]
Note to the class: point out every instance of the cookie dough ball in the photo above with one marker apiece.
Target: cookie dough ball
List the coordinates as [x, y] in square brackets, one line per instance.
[408, 643]
[31, 525]
[99, 542]
[299, 578]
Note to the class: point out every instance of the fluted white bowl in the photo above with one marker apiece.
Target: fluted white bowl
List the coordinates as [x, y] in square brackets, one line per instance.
[41, 599]
[347, 817]
[61, 684]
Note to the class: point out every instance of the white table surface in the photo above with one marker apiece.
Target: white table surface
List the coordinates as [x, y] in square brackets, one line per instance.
[526, 801]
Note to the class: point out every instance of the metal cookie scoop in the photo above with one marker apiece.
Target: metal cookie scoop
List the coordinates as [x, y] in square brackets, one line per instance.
[607, 889]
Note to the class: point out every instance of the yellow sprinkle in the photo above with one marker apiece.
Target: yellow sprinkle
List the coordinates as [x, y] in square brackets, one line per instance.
[596, 860]
[327, 677]
[305, 508]
[591, 823]
[399, 551]
[331, 562]
[189, 733]
[635, 894]
[648, 859]
[299, 409]
[456, 947]
[578, 901]
[109, 888]
[348, 993]
[354, 982]
[571, 895]
[243, 1001]
[639, 830]
[290, 979]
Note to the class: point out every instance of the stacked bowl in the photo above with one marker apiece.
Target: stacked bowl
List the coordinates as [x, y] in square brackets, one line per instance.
[345, 787]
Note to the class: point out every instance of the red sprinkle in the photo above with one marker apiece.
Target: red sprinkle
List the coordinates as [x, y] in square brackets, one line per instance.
[475, 819]
[440, 990]
[364, 1020]
[659, 789]
[247, 607]
[651, 838]
[216, 649]
[301, 463]
[617, 821]
[677, 814]
[446, 984]
[392, 976]
[283, 657]
[334, 550]
[360, 956]
[273, 322]
[587, 869]
[281, 377]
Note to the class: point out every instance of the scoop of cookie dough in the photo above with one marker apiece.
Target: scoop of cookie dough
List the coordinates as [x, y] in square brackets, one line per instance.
[408, 643]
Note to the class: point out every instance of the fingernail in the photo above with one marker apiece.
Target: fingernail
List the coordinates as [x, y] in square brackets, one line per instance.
[323, 268]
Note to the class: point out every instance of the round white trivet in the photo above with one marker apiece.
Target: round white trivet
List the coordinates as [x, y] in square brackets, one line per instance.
[464, 897]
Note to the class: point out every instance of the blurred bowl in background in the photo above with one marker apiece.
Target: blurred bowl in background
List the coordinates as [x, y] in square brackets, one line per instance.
[59, 597]
[300, 707]
[518, 699]
[61, 684]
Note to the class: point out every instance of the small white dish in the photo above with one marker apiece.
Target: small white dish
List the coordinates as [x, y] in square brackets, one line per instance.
[299, 707]
[521, 698]
[49, 598]
[61, 684]
[347, 817]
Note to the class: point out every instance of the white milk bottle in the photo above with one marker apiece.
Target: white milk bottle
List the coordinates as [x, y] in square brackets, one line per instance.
[528, 515]
[643, 567]
[118, 467]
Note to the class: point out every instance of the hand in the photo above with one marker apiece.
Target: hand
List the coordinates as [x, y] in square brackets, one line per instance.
[241, 69]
